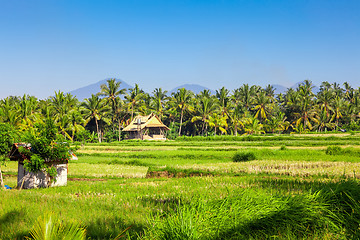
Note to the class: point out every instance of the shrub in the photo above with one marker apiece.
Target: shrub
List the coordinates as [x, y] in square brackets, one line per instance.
[283, 148]
[244, 156]
[334, 150]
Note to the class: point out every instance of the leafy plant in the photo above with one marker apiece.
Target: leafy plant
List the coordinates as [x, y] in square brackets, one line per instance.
[7, 138]
[47, 228]
[46, 146]
[244, 156]
[334, 150]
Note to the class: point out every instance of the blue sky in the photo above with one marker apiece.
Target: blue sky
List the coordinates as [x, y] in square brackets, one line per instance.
[53, 45]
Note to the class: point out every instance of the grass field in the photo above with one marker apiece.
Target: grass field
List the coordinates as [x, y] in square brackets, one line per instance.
[298, 187]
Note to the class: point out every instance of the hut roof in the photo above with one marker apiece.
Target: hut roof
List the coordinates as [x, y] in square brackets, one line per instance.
[141, 122]
[15, 154]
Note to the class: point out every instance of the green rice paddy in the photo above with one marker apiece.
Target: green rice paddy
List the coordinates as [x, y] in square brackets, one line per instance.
[191, 189]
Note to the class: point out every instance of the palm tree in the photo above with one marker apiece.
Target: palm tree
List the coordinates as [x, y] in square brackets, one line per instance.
[277, 123]
[323, 121]
[134, 99]
[306, 112]
[204, 108]
[324, 99]
[61, 104]
[223, 97]
[217, 121]
[246, 95]
[9, 111]
[182, 99]
[158, 101]
[253, 126]
[75, 122]
[95, 108]
[112, 91]
[262, 105]
[338, 106]
[236, 115]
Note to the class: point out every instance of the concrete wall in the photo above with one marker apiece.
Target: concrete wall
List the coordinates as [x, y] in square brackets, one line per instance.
[41, 179]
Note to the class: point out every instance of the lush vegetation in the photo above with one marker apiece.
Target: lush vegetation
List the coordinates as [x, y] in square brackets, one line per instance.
[246, 110]
[297, 187]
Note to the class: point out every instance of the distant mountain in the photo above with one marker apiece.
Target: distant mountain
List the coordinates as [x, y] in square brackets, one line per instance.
[279, 88]
[193, 87]
[85, 92]
[315, 89]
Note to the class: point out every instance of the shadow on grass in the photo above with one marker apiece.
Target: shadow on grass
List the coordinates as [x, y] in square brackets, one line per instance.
[109, 228]
[341, 195]
[10, 219]
[163, 206]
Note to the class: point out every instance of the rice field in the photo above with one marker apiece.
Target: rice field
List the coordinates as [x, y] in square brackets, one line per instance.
[191, 188]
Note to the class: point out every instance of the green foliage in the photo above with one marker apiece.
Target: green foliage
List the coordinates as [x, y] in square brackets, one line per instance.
[244, 156]
[35, 164]
[46, 146]
[334, 150]
[249, 215]
[283, 148]
[48, 228]
[7, 137]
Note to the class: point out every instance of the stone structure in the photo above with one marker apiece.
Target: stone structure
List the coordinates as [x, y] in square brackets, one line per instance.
[29, 180]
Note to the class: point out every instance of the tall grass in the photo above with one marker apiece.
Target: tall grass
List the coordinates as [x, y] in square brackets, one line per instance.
[330, 213]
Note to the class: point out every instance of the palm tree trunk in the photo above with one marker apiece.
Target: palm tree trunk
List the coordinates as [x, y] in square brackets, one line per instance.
[119, 131]
[97, 129]
[181, 119]
[203, 128]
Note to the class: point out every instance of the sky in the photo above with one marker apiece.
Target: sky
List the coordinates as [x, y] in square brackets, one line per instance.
[51, 45]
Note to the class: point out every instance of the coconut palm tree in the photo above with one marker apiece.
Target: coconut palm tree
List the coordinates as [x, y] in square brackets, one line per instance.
[262, 105]
[338, 107]
[204, 108]
[95, 108]
[236, 115]
[134, 99]
[223, 100]
[323, 121]
[182, 99]
[217, 121]
[253, 126]
[112, 91]
[158, 101]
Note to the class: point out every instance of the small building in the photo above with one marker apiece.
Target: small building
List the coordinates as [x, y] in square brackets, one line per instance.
[147, 127]
[29, 180]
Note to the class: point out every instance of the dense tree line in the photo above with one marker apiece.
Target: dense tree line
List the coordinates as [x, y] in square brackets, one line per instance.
[245, 110]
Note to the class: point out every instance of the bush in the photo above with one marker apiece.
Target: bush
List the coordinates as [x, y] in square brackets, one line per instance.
[244, 156]
[334, 150]
[283, 148]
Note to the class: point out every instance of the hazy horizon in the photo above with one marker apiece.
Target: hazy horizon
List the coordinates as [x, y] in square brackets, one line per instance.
[65, 45]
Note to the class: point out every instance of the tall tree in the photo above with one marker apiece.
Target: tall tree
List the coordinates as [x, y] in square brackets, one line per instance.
[204, 108]
[134, 99]
[182, 99]
[95, 108]
[158, 101]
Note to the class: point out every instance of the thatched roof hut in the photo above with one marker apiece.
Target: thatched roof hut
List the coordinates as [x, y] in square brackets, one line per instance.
[147, 127]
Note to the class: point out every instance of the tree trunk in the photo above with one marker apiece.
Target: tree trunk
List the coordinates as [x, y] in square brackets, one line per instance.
[1, 179]
[97, 129]
[119, 132]
[181, 118]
